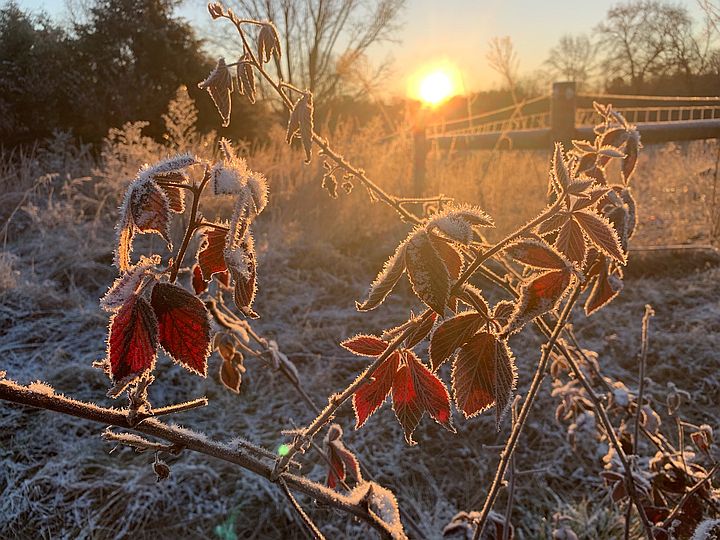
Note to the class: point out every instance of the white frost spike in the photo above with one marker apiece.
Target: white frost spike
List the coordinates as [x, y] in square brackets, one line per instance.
[382, 502]
[707, 530]
[170, 164]
[125, 231]
[453, 227]
[238, 259]
[257, 186]
[126, 285]
[229, 178]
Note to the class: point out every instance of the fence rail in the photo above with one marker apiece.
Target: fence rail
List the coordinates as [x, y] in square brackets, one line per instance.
[659, 119]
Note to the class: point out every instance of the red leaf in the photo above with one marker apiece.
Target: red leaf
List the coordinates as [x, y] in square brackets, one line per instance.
[184, 326]
[343, 463]
[365, 345]
[150, 209]
[133, 339]
[607, 286]
[539, 296]
[421, 331]
[452, 334]
[416, 391]
[536, 254]
[484, 374]
[502, 312]
[428, 274]
[553, 223]
[176, 198]
[198, 283]
[210, 256]
[601, 233]
[571, 242]
[373, 393]
[385, 281]
[450, 256]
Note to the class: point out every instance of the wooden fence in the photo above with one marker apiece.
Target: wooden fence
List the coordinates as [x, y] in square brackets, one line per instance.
[565, 115]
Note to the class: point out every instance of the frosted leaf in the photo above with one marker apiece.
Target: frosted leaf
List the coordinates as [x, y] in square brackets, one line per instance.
[301, 122]
[246, 78]
[125, 231]
[386, 280]
[453, 227]
[229, 178]
[427, 271]
[559, 173]
[150, 208]
[268, 42]
[219, 85]
[382, 502]
[257, 185]
[168, 165]
[126, 285]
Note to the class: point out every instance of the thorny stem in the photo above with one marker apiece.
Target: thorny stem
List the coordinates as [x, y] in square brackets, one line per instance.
[180, 407]
[338, 399]
[335, 401]
[510, 445]
[13, 392]
[192, 224]
[597, 405]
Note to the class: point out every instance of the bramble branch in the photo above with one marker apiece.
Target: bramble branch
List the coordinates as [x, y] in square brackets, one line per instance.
[43, 399]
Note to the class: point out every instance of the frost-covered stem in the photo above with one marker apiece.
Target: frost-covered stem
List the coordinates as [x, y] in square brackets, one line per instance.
[44, 399]
[688, 494]
[597, 404]
[643, 361]
[192, 224]
[180, 407]
[485, 255]
[322, 143]
[511, 481]
[213, 225]
[335, 401]
[309, 525]
[511, 443]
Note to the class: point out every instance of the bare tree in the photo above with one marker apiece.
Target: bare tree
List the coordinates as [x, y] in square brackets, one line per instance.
[651, 38]
[503, 59]
[323, 39]
[573, 58]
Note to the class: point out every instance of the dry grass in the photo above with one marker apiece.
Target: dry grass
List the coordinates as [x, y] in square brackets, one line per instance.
[59, 479]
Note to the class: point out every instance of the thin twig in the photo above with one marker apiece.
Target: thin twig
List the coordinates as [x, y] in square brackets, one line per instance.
[312, 529]
[687, 495]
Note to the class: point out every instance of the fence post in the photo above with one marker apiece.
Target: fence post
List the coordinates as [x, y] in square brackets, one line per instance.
[420, 151]
[562, 112]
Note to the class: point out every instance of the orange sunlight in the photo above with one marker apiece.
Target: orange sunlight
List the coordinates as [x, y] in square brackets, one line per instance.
[435, 84]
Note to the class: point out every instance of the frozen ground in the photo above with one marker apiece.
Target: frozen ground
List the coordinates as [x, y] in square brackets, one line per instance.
[61, 481]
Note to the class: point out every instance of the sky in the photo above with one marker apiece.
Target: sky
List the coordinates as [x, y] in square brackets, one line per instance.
[457, 31]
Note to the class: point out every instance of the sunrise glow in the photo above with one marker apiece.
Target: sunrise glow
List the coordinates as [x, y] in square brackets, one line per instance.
[435, 84]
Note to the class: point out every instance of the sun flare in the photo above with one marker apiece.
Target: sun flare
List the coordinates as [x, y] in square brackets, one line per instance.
[436, 84]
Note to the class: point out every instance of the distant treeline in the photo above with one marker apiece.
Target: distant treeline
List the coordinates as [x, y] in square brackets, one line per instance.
[123, 60]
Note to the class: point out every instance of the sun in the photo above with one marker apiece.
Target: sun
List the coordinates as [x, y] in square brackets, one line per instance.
[436, 87]
[435, 84]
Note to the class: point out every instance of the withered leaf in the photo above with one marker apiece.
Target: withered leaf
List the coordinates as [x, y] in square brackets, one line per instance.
[219, 85]
[301, 121]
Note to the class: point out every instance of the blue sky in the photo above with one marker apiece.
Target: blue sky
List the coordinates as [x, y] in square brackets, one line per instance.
[458, 31]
